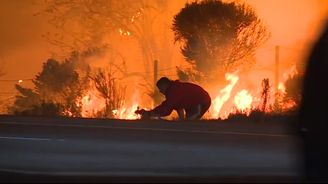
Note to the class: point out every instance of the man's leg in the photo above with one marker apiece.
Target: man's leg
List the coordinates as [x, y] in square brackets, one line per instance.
[190, 112]
[197, 111]
[194, 112]
[204, 109]
[181, 114]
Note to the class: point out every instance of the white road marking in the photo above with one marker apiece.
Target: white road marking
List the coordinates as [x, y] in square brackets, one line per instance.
[30, 138]
[26, 138]
[151, 129]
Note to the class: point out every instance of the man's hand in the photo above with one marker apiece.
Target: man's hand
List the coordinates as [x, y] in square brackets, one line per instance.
[144, 113]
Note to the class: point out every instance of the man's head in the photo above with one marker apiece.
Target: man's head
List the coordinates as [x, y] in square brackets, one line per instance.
[163, 83]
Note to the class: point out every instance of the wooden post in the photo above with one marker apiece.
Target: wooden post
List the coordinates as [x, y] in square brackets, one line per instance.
[276, 84]
[155, 78]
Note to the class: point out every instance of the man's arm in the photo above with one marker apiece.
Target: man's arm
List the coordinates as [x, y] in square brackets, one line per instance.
[145, 114]
[165, 108]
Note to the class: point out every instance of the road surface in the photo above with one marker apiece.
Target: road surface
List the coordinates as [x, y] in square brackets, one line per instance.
[95, 150]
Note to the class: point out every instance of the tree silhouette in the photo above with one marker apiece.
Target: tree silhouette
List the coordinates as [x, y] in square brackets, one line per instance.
[59, 88]
[294, 88]
[60, 83]
[265, 94]
[217, 35]
[25, 101]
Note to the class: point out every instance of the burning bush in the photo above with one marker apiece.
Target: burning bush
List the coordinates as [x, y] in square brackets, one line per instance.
[110, 90]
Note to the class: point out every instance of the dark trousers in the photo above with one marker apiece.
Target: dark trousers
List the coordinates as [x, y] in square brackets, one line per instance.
[193, 110]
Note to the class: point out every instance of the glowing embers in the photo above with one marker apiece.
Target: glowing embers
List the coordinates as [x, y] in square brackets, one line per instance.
[124, 32]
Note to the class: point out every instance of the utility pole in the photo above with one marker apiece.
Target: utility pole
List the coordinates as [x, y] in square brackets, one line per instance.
[276, 84]
[155, 79]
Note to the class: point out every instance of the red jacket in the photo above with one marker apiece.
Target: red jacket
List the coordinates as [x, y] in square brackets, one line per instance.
[181, 95]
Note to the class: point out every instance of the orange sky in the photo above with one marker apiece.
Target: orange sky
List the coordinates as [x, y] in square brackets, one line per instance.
[294, 24]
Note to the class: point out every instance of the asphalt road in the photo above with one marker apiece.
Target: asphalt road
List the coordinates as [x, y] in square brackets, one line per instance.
[86, 150]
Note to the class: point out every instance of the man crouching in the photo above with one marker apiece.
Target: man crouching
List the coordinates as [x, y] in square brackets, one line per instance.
[189, 100]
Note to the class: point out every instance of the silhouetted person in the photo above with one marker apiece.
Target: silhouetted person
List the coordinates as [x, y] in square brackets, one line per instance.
[182, 97]
[314, 112]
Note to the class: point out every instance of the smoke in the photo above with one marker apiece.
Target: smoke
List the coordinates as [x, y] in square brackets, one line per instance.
[294, 25]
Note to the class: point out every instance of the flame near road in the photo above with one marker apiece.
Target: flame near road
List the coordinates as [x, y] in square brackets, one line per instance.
[128, 112]
[225, 102]
[92, 103]
[243, 100]
[224, 95]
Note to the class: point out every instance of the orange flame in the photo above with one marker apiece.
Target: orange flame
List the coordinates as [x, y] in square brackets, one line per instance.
[282, 88]
[92, 103]
[224, 94]
[128, 112]
[243, 100]
[291, 72]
